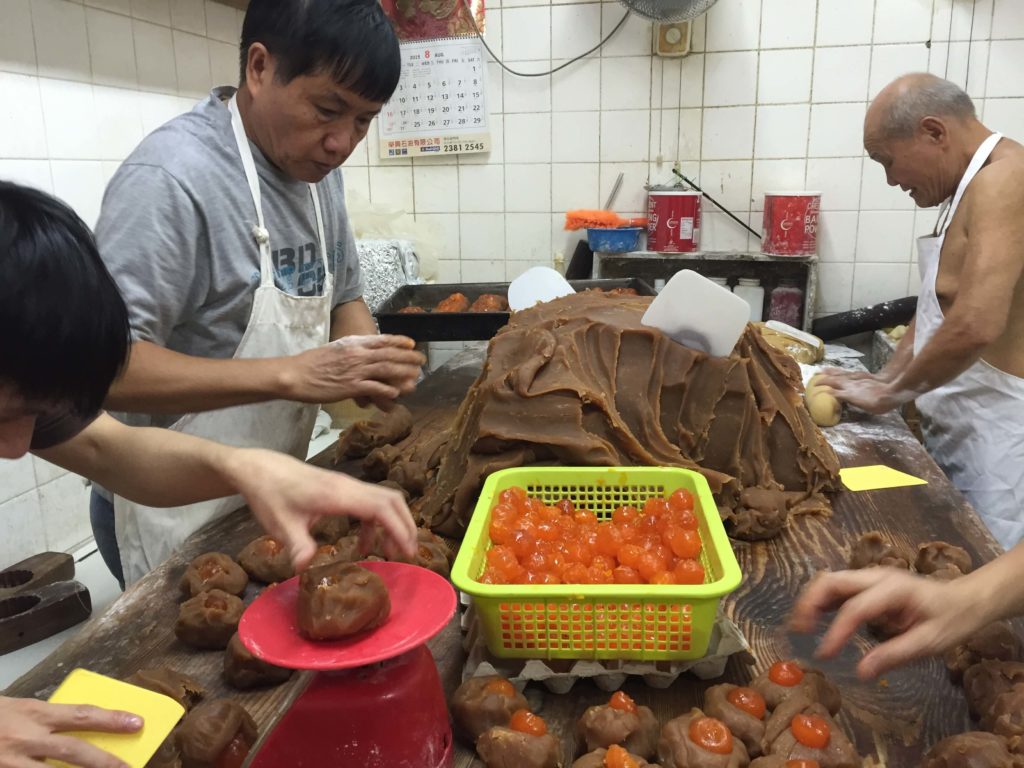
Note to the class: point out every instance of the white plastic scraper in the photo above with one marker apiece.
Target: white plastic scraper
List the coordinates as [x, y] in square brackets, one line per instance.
[698, 313]
[535, 285]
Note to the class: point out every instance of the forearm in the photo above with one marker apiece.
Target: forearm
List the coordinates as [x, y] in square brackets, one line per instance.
[155, 467]
[352, 319]
[159, 380]
[953, 349]
[901, 357]
[994, 589]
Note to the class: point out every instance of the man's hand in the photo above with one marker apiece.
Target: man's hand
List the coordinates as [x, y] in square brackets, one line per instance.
[30, 733]
[288, 496]
[371, 368]
[933, 616]
[869, 392]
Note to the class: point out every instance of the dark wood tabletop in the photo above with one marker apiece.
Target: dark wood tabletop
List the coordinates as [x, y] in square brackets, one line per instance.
[894, 719]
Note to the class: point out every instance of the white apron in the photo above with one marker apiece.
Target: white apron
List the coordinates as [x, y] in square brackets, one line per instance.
[280, 325]
[974, 425]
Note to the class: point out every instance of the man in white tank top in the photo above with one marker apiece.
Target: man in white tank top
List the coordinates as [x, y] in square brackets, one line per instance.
[963, 357]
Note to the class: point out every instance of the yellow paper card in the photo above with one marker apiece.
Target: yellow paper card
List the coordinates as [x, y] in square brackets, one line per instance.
[159, 713]
[876, 477]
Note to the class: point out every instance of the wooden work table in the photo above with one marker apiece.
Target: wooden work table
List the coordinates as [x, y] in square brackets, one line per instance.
[896, 718]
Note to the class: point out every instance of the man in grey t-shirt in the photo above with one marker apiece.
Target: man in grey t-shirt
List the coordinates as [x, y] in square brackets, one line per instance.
[187, 229]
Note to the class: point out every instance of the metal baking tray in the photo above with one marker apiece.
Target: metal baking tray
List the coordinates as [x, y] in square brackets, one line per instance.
[465, 326]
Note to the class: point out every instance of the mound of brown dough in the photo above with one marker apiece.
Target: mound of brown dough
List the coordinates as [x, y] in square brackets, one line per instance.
[383, 428]
[214, 570]
[476, 709]
[936, 555]
[580, 381]
[986, 681]
[874, 549]
[996, 641]
[815, 686]
[329, 528]
[974, 749]
[1006, 718]
[266, 560]
[182, 688]
[744, 726]
[602, 726]
[242, 670]
[215, 733]
[595, 759]
[209, 619]
[340, 599]
[677, 750]
[779, 739]
[501, 747]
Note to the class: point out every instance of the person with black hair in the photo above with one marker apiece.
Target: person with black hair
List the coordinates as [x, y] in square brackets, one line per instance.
[66, 337]
[227, 234]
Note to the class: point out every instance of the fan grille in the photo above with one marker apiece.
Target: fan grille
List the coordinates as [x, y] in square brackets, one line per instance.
[668, 10]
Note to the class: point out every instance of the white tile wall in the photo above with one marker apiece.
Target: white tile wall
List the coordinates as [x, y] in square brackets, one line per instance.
[772, 98]
[80, 85]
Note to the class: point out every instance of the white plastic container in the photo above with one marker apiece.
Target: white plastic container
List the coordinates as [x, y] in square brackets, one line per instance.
[720, 281]
[750, 290]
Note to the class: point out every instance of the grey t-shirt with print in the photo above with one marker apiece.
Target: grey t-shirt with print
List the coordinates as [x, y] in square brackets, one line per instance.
[175, 231]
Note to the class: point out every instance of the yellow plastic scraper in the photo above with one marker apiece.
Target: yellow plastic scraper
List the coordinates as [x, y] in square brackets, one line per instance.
[159, 714]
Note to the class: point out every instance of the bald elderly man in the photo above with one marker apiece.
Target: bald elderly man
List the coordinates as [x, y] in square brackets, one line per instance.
[963, 357]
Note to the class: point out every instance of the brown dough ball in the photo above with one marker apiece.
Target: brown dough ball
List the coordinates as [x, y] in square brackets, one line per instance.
[873, 549]
[167, 755]
[996, 641]
[970, 750]
[266, 560]
[330, 528]
[214, 730]
[1006, 718]
[476, 705]
[595, 759]
[214, 570]
[744, 726]
[603, 725]
[935, 555]
[489, 302]
[339, 600]
[242, 670]
[815, 686]
[677, 750]
[456, 302]
[779, 739]
[986, 681]
[946, 573]
[182, 688]
[369, 434]
[501, 747]
[776, 761]
[209, 619]
[761, 514]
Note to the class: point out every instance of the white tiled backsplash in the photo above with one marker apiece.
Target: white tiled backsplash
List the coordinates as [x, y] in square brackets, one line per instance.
[773, 97]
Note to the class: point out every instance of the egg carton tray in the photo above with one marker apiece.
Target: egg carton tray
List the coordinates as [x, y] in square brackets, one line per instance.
[560, 675]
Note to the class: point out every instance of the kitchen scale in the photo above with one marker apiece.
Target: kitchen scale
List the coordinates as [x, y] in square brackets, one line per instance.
[377, 700]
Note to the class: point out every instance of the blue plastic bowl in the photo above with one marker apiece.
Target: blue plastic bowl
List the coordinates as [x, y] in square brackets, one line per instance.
[621, 240]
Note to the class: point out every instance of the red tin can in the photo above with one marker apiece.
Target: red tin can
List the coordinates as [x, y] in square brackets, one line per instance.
[673, 220]
[791, 223]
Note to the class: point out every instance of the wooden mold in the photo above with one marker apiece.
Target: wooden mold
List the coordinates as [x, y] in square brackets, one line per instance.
[39, 598]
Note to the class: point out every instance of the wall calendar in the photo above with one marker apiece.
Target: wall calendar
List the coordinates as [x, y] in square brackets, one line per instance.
[440, 105]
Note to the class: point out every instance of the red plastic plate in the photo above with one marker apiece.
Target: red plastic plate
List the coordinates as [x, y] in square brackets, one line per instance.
[422, 602]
